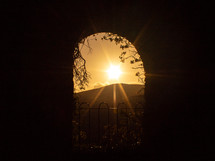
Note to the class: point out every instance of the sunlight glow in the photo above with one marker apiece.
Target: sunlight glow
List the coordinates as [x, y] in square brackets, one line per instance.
[114, 72]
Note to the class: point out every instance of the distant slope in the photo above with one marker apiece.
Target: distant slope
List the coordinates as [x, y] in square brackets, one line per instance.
[133, 92]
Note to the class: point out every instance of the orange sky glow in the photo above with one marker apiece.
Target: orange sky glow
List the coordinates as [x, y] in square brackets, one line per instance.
[103, 62]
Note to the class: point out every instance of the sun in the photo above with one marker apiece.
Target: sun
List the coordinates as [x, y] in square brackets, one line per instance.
[114, 72]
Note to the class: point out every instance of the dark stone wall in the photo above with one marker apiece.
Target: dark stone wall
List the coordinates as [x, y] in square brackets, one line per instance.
[173, 38]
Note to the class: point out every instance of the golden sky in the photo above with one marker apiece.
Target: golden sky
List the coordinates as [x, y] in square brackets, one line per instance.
[99, 58]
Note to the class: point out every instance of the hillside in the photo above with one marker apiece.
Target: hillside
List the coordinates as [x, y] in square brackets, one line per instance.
[106, 94]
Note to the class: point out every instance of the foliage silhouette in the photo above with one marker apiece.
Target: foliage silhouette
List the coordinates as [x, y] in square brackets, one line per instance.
[125, 133]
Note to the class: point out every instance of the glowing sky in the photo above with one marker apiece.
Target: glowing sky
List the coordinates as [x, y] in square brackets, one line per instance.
[101, 55]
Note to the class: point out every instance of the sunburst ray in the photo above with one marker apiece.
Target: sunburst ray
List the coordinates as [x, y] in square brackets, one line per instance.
[97, 95]
[126, 98]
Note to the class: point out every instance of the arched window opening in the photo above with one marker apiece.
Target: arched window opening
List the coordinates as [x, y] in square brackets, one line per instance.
[109, 81]
[106, 58]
